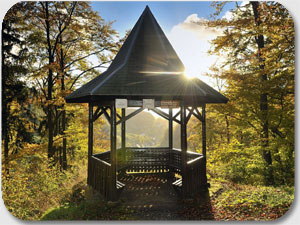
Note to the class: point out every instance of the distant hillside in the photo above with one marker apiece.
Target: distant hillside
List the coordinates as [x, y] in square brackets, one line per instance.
[144, 129]
[176, 137]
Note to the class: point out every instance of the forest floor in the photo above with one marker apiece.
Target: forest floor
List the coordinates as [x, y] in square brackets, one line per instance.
[150, 197]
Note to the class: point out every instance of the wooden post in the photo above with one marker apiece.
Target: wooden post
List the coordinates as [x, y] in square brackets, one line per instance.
[183, 149]
[113, 153]
[123, 136]
[170, 129]
[171, 173]
[90, 144]
[90, 135]
[204, 143]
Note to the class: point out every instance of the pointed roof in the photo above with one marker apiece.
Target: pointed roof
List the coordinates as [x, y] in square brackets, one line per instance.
[146, 66]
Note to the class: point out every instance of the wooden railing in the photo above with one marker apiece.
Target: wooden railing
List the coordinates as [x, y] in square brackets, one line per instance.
[105, 156]
[147, 159]
[195, 176]
[99, 175]
[154, 160]
[175, 158]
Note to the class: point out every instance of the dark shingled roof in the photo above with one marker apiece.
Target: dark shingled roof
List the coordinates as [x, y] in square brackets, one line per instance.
[146, 66]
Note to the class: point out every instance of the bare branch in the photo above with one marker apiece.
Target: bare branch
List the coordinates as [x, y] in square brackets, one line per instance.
[64, 28]
[94, 67]
[81, 58]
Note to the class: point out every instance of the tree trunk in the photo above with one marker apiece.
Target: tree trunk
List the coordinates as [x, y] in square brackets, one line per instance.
[64, 140]
[50, 85]
[4, 105]
[64, 147]
[5, 110]
[227, 129]
[263, 100]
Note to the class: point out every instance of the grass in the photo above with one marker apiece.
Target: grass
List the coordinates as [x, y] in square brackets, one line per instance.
[86, 205]
[232, 201]
[88, 211]
[227, 201]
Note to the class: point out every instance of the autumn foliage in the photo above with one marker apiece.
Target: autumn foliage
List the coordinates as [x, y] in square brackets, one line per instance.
[51, 48]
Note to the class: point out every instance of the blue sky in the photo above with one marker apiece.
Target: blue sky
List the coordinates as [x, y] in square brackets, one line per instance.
[168, 14]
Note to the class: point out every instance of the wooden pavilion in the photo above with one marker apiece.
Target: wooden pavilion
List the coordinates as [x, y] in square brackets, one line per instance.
[146, 73]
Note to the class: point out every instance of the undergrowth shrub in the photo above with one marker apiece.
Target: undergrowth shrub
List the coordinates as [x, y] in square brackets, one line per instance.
[30, 186]
[237, 162]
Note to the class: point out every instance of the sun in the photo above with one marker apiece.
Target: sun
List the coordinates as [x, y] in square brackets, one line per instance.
[190, 72]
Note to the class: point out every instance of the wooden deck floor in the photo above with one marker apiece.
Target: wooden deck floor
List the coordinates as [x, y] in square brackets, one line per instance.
[152, 197]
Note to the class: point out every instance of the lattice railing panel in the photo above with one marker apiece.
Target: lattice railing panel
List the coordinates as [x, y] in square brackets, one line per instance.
[99, 175]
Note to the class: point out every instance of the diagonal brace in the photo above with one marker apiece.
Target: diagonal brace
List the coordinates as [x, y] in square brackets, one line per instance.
[191, 112]
[98, 113]
[161, 113]
[106, 114]
[130, 115]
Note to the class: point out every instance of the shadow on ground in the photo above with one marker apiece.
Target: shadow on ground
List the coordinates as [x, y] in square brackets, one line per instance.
[152, 197]
[145, 197]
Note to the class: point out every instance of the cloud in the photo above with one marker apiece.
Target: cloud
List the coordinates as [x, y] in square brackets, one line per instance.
[190, 40]
[196, 25]
[228, 15]
[245, 3]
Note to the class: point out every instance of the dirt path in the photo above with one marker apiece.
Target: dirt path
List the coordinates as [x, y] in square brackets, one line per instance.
[152, 197]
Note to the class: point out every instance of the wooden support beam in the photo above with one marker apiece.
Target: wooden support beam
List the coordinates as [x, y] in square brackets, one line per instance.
[120, 117]
[165, 115]
[191, 111]
[97, 116]
[177, 121]
[130, 115]
[90, 135]
[98, 113]
[199, 114]
[123, 136]
[174, 118]
[113, 154]
[177, 114]
[108, 118]
[204, 143]
[203, 131]
[123, 130]
[170, 140]
[170, 129]
[161, 113]
[183, 149]
[90, 143]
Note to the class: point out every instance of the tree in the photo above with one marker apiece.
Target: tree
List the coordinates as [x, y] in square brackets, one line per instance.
[16, 116]
[257, 46]
[63, 37]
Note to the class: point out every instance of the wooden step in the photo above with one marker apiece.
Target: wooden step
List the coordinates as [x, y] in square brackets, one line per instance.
[120, 185]
[177, 183]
